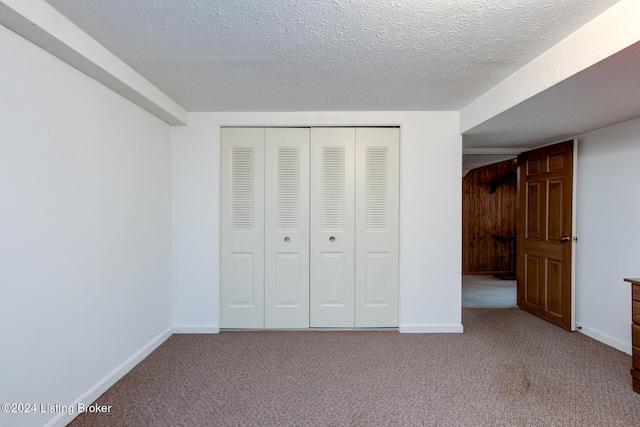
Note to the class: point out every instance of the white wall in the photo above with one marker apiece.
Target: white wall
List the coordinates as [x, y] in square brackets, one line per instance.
[430, 213]
[85, 233]
[40, 23]
[608, 230]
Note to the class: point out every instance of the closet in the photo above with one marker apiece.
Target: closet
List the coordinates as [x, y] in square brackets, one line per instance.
[309, 227]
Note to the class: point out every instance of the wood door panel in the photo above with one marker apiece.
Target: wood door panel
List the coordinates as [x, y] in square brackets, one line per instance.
[544, 249]
[533, 211]
[556, 163]
[555, 219]
[544, 258]
[533, 167]
[532, 282]
[553, 287]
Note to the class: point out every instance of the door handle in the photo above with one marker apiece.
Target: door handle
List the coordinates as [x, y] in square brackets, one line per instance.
[286, 239]
[564, 239]
[332, 239]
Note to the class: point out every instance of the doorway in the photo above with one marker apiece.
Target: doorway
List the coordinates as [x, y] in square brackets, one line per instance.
[489, 228]
[539, 228]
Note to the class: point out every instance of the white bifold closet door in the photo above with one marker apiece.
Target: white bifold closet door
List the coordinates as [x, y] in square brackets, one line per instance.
[242, 228]
[286, 181]
[377, 227]
[309, 227]
[332, 227]
[354, 227]
[264, 268]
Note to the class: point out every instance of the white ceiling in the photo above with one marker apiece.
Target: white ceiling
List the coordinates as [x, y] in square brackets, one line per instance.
[355, 55]
[328, 55]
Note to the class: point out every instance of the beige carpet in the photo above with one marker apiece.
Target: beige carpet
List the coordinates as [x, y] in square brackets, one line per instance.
[509, 368]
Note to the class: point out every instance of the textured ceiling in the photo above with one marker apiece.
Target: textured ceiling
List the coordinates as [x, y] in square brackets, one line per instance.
[328, 55]
[605, 93]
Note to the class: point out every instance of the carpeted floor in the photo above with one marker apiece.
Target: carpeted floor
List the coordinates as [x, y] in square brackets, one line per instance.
[488, 291]
[509, 368]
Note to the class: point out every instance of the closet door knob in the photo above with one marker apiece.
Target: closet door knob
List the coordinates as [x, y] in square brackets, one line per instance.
[332, 239]
[286, 239]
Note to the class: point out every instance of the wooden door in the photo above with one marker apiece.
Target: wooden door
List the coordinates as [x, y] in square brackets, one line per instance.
[545, 233]
[332, 227]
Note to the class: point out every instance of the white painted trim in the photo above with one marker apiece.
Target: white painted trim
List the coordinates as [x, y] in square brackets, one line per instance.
[430, 328]
[196, 329]
[97, 390]
[610, 32]
[574, 227]
[604, 338]
[44, 26]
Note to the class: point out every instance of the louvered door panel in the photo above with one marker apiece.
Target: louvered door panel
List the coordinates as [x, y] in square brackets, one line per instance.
[376, 237]
[286, 228]
[332, 227]
[242, 228]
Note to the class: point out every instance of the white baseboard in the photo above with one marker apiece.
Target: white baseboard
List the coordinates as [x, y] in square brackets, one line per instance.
[96, 391]
[431, 328]
[196, 329]
[605, 338]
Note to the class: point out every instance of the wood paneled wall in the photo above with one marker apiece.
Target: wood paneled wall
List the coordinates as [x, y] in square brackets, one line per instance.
[485, 214]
